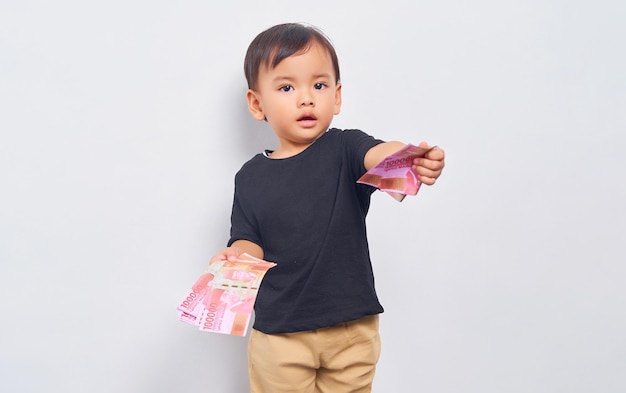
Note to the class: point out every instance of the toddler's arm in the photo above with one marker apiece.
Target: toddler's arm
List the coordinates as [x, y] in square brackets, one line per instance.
[428, 168]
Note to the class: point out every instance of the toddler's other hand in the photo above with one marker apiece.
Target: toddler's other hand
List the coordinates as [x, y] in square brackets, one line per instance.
[429, 167]
[228, 253]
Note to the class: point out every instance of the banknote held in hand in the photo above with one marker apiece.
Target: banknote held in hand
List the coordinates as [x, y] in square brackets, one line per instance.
[394, 175]
[222, 299]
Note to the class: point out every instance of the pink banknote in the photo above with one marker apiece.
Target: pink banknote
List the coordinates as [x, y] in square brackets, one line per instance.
[222, 299]
[394, 175]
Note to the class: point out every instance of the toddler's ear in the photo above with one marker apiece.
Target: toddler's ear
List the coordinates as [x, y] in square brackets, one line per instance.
[254, 105]
[338, 99]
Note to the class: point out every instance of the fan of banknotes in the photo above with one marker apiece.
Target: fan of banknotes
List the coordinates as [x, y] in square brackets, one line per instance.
[222, 298]
[394, 175]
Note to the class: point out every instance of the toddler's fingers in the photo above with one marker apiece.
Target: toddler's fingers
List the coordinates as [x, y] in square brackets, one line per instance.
[225, 254]
[424, 171]
[433, 165]
[427, 180]
[424, 145]
[436, 153]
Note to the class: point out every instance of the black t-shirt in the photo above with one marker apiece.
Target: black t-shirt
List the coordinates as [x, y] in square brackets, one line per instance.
[308, 214]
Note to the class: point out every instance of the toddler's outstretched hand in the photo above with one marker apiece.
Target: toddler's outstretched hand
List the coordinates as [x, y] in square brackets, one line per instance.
[429, 167]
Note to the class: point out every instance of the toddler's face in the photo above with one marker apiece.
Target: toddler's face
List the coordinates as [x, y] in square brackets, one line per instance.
[298, 98]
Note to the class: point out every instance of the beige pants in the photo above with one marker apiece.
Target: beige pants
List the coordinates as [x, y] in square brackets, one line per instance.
[336, 359]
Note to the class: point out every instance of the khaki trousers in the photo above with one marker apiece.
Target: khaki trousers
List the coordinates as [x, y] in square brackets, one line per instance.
[336, 359]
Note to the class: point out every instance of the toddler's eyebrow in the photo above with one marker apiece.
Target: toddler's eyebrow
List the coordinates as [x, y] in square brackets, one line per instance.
[281, 78]
[321, 76]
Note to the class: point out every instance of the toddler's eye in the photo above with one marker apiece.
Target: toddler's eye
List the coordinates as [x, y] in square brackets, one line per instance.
[286, 88]
[319, 86]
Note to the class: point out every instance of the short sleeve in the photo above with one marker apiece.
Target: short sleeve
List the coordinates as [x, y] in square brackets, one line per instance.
[358, 143]
[243, 225]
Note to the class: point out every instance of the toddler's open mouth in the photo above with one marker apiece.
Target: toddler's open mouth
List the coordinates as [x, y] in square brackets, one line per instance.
[307, 120]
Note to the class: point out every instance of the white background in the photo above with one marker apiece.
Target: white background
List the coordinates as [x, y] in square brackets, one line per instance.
[123, 123]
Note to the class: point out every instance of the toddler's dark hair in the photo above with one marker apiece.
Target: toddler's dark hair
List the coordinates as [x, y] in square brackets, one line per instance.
[277, 43]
